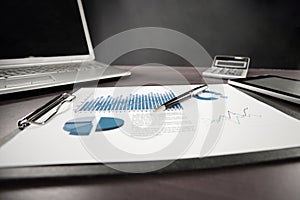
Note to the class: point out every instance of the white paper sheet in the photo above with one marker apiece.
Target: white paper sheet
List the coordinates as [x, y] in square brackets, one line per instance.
[220, 122]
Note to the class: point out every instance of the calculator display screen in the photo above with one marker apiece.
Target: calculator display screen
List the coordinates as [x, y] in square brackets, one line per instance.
[231, 62]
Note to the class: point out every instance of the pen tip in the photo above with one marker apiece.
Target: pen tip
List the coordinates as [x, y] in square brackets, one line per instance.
[160, 108]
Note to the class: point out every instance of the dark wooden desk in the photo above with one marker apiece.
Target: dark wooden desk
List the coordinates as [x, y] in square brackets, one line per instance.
[280, 180]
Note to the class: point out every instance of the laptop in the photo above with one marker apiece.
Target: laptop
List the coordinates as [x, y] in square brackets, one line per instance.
[46, 43]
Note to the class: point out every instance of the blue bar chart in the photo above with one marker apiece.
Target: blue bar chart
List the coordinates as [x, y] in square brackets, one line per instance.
[132, 102]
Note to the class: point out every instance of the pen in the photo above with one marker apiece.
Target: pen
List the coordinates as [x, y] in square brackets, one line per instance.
[181, 98]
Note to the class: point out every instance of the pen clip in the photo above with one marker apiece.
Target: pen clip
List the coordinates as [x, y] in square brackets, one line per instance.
[56, 102]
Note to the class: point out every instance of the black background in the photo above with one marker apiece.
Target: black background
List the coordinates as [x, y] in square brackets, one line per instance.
[266, 30]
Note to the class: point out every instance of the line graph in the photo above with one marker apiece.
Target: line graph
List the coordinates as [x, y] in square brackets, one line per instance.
[232, 116]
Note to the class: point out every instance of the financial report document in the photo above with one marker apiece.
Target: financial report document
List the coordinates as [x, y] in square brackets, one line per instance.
[118, 124]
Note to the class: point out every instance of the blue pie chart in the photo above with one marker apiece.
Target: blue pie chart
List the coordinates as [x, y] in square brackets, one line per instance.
[210, 96]
[83, 126]
[109, 123]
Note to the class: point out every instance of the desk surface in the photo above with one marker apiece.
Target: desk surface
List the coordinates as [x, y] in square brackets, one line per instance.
[280, 180]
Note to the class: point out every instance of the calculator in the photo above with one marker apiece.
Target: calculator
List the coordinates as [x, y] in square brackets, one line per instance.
[228, 67]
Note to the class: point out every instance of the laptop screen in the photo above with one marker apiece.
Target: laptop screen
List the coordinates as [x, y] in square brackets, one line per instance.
[41, 28]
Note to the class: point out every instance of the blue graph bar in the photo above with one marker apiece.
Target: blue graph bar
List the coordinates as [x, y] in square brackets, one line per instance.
[148, 101]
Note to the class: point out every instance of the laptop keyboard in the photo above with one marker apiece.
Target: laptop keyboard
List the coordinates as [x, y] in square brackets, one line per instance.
[44, 69]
